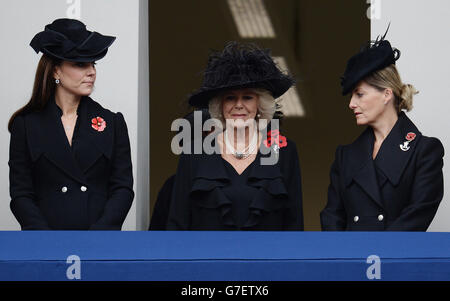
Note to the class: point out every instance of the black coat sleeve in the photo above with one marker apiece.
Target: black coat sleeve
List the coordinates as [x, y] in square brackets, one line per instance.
[293, 219]
[180, 210]
[120, 188]
[23, 198]
[162, 206]
[426, 192]
[333, 216]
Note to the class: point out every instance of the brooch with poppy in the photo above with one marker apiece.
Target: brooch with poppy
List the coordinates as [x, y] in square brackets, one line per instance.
[409, 137]
[98, 124]
[276, 140]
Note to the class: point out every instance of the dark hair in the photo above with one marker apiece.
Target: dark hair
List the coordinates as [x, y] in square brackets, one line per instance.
[43, 87]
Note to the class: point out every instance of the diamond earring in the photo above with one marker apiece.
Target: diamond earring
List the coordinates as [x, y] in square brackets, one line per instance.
[57, 81]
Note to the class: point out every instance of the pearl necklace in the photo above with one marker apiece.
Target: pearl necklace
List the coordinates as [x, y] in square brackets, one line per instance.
[246, 151]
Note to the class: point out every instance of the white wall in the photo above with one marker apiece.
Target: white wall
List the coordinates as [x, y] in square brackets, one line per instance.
[119, 85]
[420, 29]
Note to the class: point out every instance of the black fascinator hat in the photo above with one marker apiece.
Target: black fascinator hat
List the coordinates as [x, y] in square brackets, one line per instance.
[375, 56]
[240, 66]
[69, 40]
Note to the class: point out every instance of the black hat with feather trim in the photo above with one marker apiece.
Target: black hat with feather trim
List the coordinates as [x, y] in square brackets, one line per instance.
[240, 66]
[377, 55]
[69, 40]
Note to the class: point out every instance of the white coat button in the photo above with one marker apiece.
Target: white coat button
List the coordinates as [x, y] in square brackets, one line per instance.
[83, 188]
[356, 218]
[380, 217]
[64, 189]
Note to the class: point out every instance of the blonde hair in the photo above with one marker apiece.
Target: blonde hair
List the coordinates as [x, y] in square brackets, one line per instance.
[390, 78]
[266, 106]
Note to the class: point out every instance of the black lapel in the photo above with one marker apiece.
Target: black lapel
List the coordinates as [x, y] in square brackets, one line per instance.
[47, 135]
[391, 159]
[360, 167]
[212, 167]
[92, 144]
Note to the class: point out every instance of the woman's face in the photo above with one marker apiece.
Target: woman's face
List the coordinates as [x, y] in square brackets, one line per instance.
[76, 78]
[368, 103]
[240, 104]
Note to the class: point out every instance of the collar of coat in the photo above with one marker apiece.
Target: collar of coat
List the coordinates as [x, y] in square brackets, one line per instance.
[212, 167]
[209, 173]
[391, 160]
[46, 136]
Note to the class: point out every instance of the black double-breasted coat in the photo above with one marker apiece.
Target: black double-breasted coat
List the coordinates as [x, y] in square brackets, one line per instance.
[198, 201]
[399, 190]
[55, 186]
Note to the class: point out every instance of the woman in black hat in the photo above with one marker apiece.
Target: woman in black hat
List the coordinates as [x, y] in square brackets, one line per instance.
[234, 188]
[390, 178]
[70, 164]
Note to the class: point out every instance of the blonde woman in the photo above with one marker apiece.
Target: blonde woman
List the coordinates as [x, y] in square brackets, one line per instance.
[390, 178]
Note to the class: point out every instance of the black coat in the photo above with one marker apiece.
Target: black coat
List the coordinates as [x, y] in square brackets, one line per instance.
[162, 206]
[56, 187]
[398, 191]
[198, 202]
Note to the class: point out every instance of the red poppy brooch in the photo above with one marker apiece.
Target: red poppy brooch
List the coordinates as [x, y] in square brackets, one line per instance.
[274, 138]
[409, 137]
[98, 124]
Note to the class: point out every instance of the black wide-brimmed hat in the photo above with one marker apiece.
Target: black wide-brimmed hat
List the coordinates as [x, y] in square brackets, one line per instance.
[375, 56]
[69, 40]
[240, 66]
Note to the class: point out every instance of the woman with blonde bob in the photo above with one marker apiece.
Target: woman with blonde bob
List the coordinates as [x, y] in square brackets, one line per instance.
[390, 178]
[232, 189]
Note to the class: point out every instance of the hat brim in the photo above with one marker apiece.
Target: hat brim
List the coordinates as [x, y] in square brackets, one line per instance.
[276, 87]
[360, 74]
[93, 49]
[363, 64]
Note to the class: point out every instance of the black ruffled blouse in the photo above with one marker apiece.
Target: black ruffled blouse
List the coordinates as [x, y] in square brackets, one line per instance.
[208, 196]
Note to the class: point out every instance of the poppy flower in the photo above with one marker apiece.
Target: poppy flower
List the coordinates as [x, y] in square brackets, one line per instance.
[98, 124]
[410, 136]
[268, 142]
[274, 137]
[274, 134]
[282, 142]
